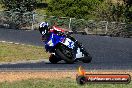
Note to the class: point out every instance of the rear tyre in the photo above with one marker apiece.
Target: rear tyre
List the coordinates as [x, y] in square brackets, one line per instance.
[65, 54]
[53, 59]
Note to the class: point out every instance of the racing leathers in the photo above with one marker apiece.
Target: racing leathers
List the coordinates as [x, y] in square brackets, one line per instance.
[60, 31]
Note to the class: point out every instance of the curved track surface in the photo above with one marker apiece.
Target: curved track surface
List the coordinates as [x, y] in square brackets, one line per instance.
[108, 53]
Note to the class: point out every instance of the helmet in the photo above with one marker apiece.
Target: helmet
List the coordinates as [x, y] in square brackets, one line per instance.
[43, 24]
[43, 27]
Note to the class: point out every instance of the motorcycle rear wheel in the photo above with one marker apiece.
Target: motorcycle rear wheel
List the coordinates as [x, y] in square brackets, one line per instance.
[67, 57]
[53, 59]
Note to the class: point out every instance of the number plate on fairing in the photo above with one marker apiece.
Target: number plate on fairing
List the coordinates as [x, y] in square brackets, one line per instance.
[68, 42]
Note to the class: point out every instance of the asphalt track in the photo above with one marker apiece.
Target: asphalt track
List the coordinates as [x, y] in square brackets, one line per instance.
[109, 53]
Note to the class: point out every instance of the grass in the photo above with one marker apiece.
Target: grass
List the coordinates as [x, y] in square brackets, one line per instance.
[52, 83]
[12, 52]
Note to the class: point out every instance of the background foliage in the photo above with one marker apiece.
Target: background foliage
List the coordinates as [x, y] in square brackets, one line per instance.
[73, 8]
[80, 9]
[91, 9]
[119, 11]
[19, 5]
[16, 11]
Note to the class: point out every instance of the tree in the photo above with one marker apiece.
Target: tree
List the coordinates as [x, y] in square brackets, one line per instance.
[16, 12]
[73, 8]
[116, 12]
[128, 10]
[128, 2]
[19, 5]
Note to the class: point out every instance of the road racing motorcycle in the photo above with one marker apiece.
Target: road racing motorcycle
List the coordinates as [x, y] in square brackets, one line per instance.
[65, 47]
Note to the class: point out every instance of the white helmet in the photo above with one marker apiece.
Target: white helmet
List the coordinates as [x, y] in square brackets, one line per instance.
[43, 24]
[43, 27]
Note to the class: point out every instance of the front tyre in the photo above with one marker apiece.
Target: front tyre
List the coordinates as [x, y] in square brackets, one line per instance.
[87, 59]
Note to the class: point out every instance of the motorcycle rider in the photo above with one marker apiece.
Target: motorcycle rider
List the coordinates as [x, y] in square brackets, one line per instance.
[45, 30]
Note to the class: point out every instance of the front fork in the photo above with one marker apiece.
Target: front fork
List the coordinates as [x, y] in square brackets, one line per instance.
[76, 46]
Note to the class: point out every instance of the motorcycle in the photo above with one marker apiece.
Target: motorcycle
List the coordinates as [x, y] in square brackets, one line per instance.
[65, 47]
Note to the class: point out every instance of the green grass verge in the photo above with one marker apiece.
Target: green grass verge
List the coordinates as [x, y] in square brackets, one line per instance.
[12, 52]
[52, 83]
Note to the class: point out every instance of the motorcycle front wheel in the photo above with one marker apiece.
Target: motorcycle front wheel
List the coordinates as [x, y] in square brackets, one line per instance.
[87, 58]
